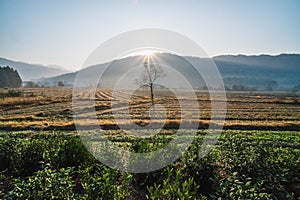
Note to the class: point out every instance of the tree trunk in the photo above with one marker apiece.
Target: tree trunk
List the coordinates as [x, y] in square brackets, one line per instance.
[152, 96]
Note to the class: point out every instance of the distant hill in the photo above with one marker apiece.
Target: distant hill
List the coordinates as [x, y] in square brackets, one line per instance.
[118, 67]
[262, 72]
[32, 71]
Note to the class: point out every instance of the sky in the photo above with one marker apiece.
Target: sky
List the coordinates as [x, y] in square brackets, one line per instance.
[65, 32]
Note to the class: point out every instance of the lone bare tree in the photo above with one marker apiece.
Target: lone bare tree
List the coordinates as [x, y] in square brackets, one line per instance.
[151, 74]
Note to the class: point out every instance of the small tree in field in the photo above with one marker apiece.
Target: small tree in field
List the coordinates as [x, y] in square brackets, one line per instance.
[60, 84]
[151, 74]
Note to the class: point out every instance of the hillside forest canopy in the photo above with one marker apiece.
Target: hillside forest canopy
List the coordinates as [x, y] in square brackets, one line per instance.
[9, 78]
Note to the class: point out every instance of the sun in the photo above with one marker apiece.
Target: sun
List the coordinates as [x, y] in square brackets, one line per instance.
[142, 52]
[147, 52]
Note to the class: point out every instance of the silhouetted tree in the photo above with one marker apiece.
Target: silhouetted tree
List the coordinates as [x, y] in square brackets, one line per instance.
[151, 74]
[60, 84]
[9, 77]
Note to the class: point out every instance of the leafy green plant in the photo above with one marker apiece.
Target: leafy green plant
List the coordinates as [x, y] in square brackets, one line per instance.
[27, 156]
[100, 182]
[174, 187]
[45, 184]
[202, 169]
[2, 177]
[7, 148]
[272, 166]
[251, 165]
[240, 187]
[66, 151]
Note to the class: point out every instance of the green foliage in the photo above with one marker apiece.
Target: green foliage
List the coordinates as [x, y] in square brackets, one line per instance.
[241, 187]
[66, 151]
[2, 177]
[201, 168]
[25, 155]
[45, 184]
[9, 77]
[7, 145]
[101, 182]
[51, 165]
[174, 187]
[274, 168]
[144, 145]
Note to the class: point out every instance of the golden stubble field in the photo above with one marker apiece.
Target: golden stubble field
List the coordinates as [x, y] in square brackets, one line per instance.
[51, 109]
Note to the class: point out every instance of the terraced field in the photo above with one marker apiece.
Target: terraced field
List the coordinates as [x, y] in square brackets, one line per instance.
[51, 109]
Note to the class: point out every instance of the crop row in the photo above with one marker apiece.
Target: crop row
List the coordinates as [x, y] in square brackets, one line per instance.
[242, 165]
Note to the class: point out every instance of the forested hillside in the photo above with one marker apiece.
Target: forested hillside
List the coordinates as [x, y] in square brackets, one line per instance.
[9, 77]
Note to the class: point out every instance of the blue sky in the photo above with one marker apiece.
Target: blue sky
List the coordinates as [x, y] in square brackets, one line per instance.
[66, 32]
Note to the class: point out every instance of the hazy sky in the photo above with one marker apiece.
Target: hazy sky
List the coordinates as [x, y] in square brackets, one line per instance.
[66, 32]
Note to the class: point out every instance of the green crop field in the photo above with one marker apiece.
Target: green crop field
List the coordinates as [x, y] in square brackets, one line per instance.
[42, 156]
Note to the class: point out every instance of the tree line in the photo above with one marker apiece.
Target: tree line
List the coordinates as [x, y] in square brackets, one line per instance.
[9, 77]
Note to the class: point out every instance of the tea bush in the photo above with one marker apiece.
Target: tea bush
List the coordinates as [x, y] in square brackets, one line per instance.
[100, 182]
[45, 184]
[175, 186]
[54, 165]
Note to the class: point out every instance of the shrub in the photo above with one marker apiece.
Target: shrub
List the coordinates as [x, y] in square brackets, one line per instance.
[240, 187]
[174, 187]
[66, 151]
[100, 182]
[45, 184]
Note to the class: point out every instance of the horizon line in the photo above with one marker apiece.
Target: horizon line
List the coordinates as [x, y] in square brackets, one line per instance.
[78, 68]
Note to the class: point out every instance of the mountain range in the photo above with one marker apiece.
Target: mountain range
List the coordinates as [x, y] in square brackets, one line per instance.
[33, 71]
[259, 72]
